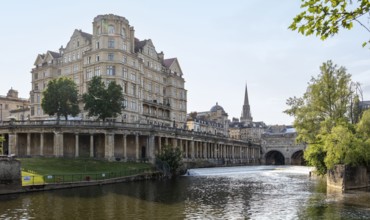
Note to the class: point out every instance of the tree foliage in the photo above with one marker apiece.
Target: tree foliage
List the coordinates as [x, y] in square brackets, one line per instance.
[324, 18]
[61, 98]
[323, 119]
[103, 101]
[2, 139]
[172, 156]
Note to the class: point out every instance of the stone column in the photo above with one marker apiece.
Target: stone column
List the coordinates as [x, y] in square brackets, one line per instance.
[13, 144]
[204, 150]
[174, 142]
[166, 141]
[151, 147]
[58, 144]
[28, 153]
[77, 147]
[186, 149]
[125, 147]
[91, 145]
[109, 146]
[182, 148]
[137, 146]
[41, 144]
[192, 147]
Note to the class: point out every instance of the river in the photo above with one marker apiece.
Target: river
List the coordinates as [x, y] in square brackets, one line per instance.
[260, 192]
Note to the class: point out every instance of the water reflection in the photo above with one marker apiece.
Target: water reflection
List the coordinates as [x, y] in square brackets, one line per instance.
[219, 193]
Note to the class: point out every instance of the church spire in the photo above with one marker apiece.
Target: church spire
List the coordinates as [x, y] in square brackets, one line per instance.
[246, 112]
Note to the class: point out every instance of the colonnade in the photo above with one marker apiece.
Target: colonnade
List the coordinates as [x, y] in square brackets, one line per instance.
[127, 145]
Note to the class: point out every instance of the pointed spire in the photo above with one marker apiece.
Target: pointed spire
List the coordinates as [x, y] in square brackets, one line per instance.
[246, 116]
[246, 100]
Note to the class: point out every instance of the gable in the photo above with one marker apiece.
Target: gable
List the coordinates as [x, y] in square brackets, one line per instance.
[39, 60]
[175, 67]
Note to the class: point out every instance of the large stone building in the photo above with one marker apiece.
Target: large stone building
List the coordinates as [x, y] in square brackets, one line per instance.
[13, 107]
[153, 87]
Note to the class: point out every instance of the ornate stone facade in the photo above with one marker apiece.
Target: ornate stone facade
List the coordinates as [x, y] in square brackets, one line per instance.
[215, 121]
[13, 107]
[153, 86]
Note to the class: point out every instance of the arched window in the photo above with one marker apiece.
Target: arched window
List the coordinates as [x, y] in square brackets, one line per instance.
[110, 29]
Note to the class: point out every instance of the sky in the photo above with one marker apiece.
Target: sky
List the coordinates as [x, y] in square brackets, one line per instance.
[222, 46]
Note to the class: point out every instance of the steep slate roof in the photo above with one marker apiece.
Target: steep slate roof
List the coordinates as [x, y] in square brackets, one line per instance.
[54, 54]
[139, 44]
[86, 35]
[168, 62]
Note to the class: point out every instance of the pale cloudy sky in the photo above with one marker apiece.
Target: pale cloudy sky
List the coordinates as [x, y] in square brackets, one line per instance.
[221, 46]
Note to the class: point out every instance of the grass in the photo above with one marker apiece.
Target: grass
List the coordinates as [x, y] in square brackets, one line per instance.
[79, 169]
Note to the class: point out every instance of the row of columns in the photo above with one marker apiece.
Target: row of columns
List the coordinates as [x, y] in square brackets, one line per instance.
[192, 149]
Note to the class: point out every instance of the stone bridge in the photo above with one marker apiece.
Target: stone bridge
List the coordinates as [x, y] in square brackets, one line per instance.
[281, 149]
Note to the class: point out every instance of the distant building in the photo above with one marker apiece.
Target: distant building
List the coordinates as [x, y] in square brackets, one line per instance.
[246, 129]
[214, 121]
[153, 87]
[364, 105]
[13, 107]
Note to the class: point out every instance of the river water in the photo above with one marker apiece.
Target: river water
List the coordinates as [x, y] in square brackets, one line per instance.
[260, 192]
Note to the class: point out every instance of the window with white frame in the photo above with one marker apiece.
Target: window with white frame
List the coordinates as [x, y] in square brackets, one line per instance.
[89, 73]
[97, 71]
[110, 29]
[111, 70]
[110, 56]
[110, 43]
[124, 72]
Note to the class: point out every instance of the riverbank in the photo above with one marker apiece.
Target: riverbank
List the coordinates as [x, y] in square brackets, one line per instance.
[40, 174]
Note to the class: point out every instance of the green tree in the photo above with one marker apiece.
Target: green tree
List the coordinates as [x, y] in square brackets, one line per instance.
[324, 18]
[60, 98]
[103, 101]
[2, 139]
[172, 157]
[323, 114]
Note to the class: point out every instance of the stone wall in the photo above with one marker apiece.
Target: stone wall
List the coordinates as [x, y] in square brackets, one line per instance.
[344, 178]
[10, 175]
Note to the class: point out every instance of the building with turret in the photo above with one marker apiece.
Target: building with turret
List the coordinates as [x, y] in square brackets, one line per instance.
[153, 87]
[13, 107]
[215, 121]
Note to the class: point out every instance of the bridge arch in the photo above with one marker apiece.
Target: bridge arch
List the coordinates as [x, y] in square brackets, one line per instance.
[274, 157]
[297, 158]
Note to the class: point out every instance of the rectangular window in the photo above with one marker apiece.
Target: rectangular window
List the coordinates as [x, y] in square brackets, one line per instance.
[75, 68]
[124, 59]
[36, 87]
[111, 70]
[36, 76]
[133, 77]
[110, 56]
[89, 74]
[97, 58]
[124, 72]
[110, 43]
[89, 60]
[97, 71]
[97, 45]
